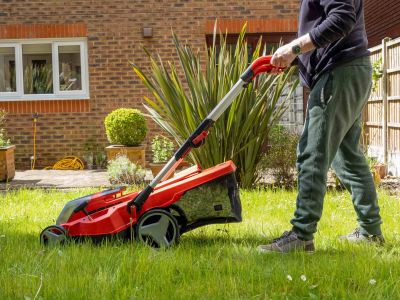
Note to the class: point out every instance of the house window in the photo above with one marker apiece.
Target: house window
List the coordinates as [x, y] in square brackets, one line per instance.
[43, 69]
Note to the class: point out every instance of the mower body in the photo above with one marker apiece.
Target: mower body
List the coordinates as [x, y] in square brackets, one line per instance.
[194, 197]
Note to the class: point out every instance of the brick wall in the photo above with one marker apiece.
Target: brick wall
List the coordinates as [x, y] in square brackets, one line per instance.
[382, 19]
[114, 33]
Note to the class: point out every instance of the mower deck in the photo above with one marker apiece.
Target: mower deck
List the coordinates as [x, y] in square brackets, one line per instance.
[182, 197]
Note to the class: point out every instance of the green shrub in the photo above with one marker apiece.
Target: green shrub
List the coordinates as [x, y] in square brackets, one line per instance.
[162, 148]
[184, 94]
[4, 141]
[281, 156]
[122, 171]
[126, 126]
[377, 74]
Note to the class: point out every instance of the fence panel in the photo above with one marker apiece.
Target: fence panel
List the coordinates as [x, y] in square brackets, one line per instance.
[382, 113]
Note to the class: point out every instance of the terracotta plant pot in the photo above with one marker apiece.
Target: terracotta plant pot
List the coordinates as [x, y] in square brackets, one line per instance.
[136, 155]
[156, 168]
[184, 164]
[382, 170]
[7, 166]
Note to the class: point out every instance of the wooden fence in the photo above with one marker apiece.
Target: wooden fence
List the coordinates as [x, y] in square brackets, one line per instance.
[382, 113]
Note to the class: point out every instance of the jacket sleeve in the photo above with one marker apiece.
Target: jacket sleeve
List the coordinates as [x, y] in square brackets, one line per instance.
[340, 20]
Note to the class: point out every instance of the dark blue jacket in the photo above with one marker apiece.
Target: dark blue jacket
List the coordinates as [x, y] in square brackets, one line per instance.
[337, 29]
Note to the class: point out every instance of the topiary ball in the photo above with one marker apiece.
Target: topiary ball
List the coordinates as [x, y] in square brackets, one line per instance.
[125, 126]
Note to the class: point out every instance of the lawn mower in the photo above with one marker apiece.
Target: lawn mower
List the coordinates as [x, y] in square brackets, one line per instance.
[167, 207]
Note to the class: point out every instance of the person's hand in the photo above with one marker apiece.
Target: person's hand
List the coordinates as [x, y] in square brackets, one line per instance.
[283, 57]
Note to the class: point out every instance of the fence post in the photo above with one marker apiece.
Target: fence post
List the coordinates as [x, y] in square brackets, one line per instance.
[385, 100]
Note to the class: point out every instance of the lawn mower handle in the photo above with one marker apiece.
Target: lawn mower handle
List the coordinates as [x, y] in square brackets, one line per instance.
[196, 139]
[259, 66]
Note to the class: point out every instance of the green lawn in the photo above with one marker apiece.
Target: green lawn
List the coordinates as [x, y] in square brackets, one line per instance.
[214, 262]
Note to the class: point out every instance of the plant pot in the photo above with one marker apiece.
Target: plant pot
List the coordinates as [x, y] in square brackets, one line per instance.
[136, 155]
[376, 177]
[156, 168]
[7, 166]
[381, 169]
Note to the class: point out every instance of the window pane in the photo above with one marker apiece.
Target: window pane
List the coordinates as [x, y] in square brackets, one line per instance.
[38, 74]
[7, 69]
[70, 68]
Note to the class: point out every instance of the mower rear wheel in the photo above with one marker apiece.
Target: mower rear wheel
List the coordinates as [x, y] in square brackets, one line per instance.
[157, 228]
[53, 235]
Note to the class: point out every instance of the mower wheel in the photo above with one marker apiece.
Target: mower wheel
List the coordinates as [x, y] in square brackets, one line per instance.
[53, 235]
[157, 228]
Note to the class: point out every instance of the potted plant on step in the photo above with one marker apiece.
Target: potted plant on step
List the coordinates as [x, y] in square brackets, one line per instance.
[121, 171]
[162, 148]
[126, 129]
[381, 169]
[7, 166]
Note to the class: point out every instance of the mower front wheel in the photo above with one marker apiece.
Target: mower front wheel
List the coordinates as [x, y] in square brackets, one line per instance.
[158, 228]
[53, 235]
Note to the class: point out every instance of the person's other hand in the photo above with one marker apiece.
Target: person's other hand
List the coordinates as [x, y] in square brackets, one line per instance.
[283, 56]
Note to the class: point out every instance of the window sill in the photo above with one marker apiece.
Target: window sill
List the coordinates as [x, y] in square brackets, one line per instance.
[41, 97]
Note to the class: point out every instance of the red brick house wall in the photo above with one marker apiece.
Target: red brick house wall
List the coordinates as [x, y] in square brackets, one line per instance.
[114, 36]
[382, 19]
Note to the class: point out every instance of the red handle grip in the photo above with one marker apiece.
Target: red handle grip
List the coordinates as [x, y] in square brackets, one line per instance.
[262, 65]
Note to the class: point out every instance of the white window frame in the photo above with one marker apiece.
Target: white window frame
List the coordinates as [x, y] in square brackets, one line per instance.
[18, 65]
[57, 94]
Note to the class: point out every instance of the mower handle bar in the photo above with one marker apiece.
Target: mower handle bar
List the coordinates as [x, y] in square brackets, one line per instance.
[196, 139]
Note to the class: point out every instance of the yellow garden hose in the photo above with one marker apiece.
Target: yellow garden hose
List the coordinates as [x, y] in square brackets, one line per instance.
[68, 163]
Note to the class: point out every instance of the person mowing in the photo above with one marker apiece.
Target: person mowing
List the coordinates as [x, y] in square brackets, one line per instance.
[334, 63]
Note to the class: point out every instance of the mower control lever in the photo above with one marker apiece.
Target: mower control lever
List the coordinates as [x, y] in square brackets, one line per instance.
[200, 139]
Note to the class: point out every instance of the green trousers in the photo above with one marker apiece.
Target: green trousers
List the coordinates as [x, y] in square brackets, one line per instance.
[331, 138]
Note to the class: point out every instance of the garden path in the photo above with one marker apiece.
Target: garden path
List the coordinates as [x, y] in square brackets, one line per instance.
[58, 179]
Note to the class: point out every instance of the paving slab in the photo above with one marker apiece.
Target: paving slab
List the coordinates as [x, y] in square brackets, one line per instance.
[58, 179]
[61, 179]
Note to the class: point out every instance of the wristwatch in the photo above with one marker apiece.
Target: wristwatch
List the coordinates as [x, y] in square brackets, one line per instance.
[296, 49]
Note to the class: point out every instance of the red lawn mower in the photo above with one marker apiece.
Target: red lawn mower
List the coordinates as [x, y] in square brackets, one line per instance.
[166, 208]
